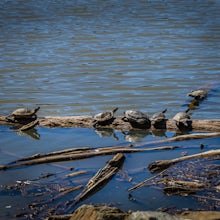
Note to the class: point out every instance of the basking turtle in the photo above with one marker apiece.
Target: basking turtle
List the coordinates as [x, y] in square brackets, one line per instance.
[103, 118]
[182, 118]
[158, 117]
[136, 118]
[199, 94]
[23, 114]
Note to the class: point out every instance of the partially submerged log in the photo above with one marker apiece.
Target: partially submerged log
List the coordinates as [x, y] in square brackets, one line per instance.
[181, 188]
[76, 154]
[117, 123]
[101, 177]
[161, 165]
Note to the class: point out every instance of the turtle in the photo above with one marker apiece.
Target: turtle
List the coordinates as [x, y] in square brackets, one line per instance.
[23, 114]
[136, 118]
[182, 118]
[158, 117]
[199, 94]
[103, 118]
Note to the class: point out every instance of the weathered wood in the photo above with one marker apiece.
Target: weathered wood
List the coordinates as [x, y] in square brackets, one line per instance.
[101, 177]
[180, 187]
[118, 123]
[28, 126]
[71, 154]
[160, 165]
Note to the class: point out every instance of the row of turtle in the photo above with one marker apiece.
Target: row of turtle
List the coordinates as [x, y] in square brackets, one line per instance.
[135, 117]
[140, 119]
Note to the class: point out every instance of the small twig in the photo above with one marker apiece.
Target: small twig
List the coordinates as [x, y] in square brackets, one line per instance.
[141, 184]
[59, 217]
[66, 191]
[76, 173]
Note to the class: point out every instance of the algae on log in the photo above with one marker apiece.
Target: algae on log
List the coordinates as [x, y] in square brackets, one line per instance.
[117, 124]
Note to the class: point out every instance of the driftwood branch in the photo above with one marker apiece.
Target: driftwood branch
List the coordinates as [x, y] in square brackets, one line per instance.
[87, 152]
[160, 165]
[117, 123]
[75, 154]
[101, 177]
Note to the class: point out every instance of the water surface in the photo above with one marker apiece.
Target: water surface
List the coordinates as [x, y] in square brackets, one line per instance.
[83, 57]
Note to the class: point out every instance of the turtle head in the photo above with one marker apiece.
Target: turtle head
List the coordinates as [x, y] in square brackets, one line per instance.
[164, 111]
[115, 109]
[36, 109]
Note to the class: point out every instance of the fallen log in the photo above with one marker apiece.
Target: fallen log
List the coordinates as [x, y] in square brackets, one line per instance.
[72, 154]
[161, 165]
[117, 123]
[101, 177]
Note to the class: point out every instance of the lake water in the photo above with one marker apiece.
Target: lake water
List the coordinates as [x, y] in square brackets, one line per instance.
[83, 57]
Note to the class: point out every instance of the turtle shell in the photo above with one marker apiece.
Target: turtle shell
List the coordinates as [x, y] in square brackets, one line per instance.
[105, 116]
[158, 117]
[135, 116]
[182, 117]
[24, 112]
[198, 94]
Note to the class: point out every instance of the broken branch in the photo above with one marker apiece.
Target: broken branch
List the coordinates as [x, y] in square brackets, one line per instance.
[101, 177]
[160, 165]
